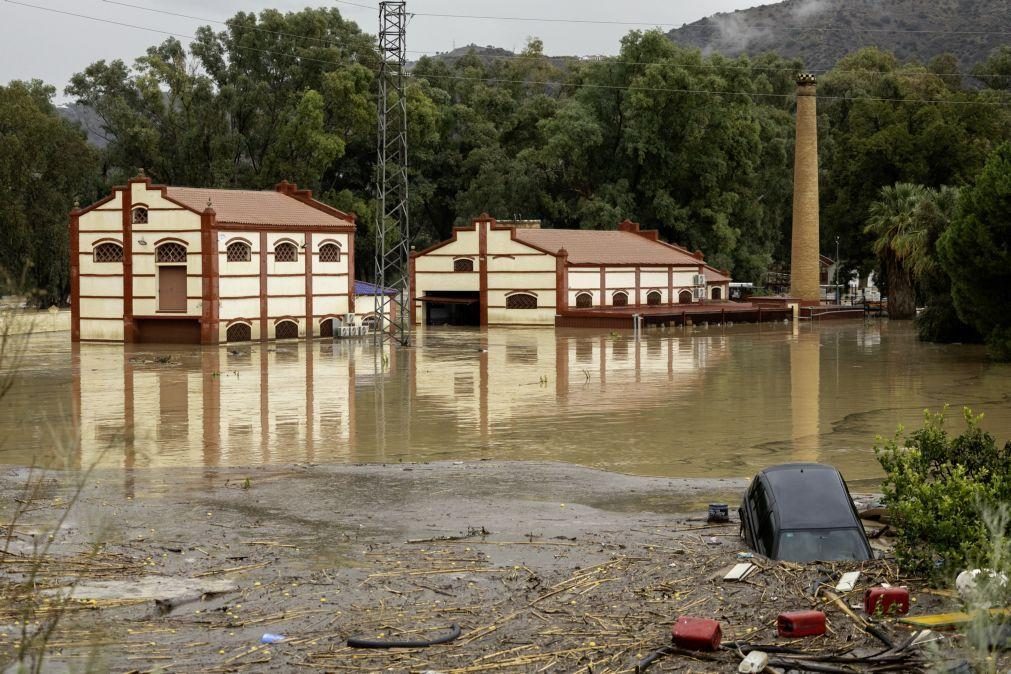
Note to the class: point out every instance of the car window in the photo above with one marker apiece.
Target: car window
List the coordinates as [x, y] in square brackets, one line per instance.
[821, 545]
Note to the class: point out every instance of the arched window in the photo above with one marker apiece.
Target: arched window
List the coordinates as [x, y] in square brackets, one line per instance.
[326, 327]
[329, 252]
[620, 299]
[238, 251]
[286, 330]
[108, 252]
[521, 301]
[685, 297]
[171, 252]
[370, 322]
[285, 252]
[139, 216]
[584, 300]
[238, 332]
[653, 298]
[717, 293]
[463, 264]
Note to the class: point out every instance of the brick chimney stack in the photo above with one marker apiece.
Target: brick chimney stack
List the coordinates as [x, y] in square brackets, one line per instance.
[804, 271]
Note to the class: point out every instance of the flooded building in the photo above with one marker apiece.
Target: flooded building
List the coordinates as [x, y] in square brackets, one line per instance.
[493, 273]
[156, 263]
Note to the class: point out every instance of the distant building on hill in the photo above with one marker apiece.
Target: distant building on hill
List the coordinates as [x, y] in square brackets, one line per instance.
[156, 263]
[515, 273]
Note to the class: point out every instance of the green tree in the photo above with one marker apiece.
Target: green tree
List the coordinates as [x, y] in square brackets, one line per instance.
[995, 72]
[884, 123]
[938, 322]
[899, 242]
[938, 489]
[270, 97]
[45, 163]
[976, 253]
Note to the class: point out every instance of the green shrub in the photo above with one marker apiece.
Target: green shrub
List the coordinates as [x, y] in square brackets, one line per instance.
[937, 489]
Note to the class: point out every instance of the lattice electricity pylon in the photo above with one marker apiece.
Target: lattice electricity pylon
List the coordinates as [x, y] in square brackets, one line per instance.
[393, 232]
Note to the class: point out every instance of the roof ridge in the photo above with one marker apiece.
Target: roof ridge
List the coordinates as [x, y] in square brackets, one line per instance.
[220, 189]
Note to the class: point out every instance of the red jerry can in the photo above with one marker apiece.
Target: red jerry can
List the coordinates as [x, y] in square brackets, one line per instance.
[801, 623]
[887, 600]
[697, 634]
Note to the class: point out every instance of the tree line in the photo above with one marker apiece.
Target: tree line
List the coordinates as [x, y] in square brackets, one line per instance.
[699, 147]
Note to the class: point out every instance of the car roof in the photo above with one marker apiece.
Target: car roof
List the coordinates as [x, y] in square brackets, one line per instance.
[810, 496]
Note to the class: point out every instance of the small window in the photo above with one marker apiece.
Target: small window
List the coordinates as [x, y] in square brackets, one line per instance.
[108, 252]
[239, 252]
[140, 216]
[326, 327]
[329, 252]
[238, 332]
[463, 264]
[685, 297]
[370, 323]
[584, 300]
[285, 252]
[653, 298]
[171, 252]
[717, 293]
[620, 299]
[521, 301]
[286, 330]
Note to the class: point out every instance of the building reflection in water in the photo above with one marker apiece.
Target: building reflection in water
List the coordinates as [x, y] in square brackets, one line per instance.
[696, 402]
[684, 402]
[238, 405]
[344, 401]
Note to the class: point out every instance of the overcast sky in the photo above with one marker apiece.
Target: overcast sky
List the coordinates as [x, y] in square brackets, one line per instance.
[36, 44]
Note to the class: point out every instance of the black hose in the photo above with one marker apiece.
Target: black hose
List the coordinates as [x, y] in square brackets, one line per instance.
[454, 633]
[644, 664]
[747, 648]
[801, 666]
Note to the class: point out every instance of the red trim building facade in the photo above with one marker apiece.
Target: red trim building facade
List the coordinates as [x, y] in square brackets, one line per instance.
[493, 273]
[155, 263]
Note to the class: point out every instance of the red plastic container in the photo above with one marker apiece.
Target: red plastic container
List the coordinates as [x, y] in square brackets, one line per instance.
[697, 634]
[887, 600]
[801, 623]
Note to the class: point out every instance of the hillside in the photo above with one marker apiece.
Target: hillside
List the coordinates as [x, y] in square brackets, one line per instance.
[85, 117]
[791, 28]
[489, 54]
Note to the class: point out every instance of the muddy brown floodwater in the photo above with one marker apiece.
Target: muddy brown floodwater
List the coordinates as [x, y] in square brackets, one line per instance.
[702, 402]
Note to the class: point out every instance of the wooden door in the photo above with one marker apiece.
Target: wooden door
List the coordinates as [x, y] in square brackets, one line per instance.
[172, 288]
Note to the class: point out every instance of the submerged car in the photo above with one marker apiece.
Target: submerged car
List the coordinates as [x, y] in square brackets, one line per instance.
[802, 512]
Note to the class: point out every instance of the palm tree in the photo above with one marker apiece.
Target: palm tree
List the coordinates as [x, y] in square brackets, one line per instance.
[901, 242]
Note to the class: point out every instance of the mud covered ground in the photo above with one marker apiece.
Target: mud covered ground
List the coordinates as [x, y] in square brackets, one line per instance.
[545, 567]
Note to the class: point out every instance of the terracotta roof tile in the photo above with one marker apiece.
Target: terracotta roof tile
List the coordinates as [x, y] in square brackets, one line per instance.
[252, 207]
[587, 246]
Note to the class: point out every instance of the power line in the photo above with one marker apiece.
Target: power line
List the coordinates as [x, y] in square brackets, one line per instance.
[607, 61]
[695, 26]
[546, 83]
[612, 60]
[187, 36]
[703, 91]
[358, 4]
[95, 18]
[326, 41]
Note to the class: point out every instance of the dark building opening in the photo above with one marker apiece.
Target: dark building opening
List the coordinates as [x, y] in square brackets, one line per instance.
[452, 307]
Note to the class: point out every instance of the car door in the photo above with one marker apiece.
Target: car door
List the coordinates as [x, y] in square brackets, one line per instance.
[747, 515]
[764, 529]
